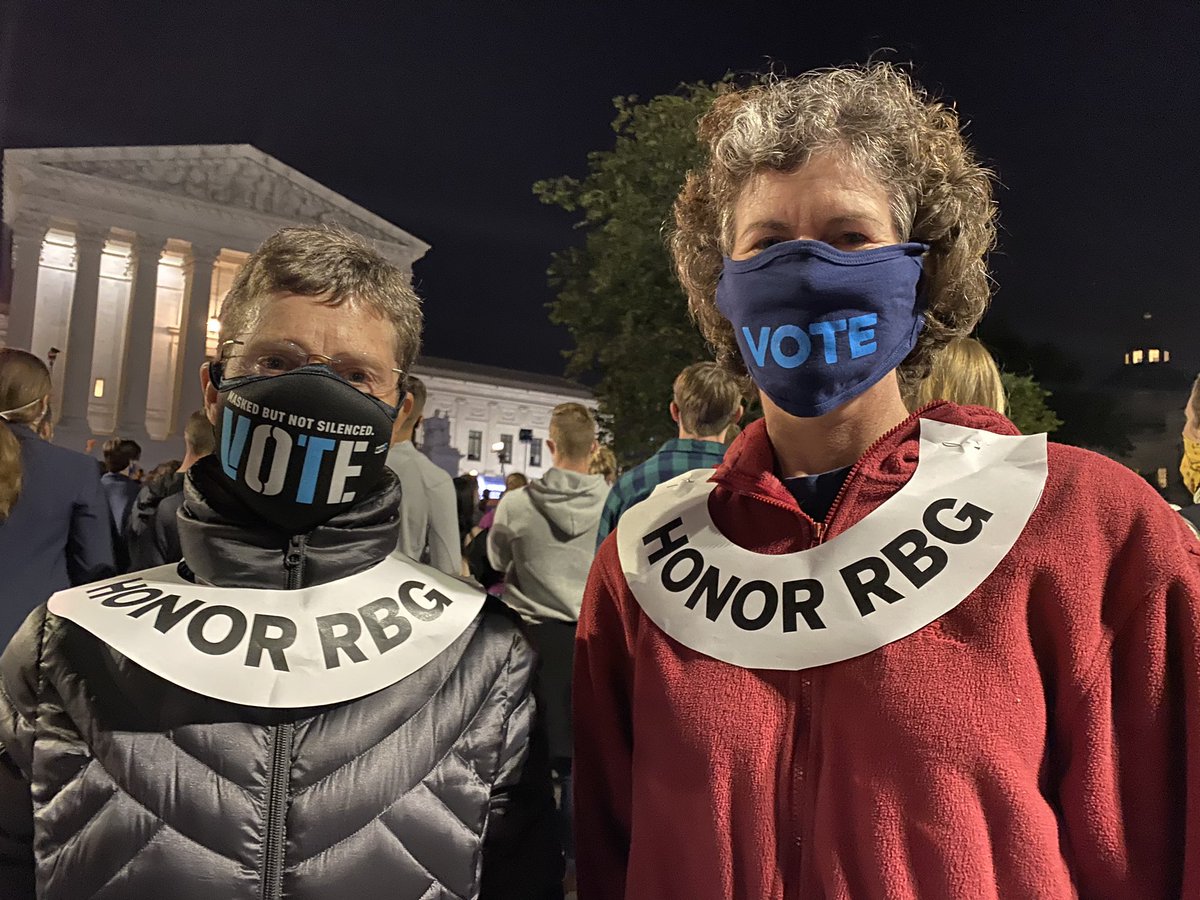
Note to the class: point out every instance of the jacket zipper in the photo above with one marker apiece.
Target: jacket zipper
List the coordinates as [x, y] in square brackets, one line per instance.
[857, 467]
[791, 888]
[281, 759]
[801, 756]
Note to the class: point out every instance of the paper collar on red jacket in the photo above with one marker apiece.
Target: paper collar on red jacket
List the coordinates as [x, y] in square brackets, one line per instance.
[906, 564]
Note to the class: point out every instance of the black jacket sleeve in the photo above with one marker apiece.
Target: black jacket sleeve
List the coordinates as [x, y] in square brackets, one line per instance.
[16, 833]
[166, 530]
[18, 704]
[522, 853]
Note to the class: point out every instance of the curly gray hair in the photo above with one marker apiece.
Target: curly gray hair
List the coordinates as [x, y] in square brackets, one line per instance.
[878, 119]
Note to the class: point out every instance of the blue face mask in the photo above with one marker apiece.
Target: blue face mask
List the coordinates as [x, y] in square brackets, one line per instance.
[817, 326]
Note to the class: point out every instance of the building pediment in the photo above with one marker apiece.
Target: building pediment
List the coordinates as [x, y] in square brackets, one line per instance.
[233, 180]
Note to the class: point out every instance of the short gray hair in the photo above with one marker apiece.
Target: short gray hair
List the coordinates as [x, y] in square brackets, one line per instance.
[334, 265]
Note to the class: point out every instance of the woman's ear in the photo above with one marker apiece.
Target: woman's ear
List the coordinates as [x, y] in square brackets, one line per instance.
[212, 400]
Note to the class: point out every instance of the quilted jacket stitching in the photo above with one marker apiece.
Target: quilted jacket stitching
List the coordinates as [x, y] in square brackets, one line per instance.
[421, 781]
[41, 674]
[508, 711]
[30, 724]
[469, 766]
[149, 840]
[375, 746]
[474, 716]
[113, 790]
[424, 869]
[12, 705]
[453, 815]
[74, 778]
[170, 737]
[158, 818]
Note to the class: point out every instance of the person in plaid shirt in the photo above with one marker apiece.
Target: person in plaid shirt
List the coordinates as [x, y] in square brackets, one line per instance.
[706, 402]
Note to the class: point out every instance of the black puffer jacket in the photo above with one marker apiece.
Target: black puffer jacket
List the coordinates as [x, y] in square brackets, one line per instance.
[153, 535]
[430, 788]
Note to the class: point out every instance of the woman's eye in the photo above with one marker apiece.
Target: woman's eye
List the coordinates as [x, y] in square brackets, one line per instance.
[851, 239]
[767, 241]
[358, 377]
[272, 363]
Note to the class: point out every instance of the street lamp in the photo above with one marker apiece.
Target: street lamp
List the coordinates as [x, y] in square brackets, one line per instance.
[498, 449]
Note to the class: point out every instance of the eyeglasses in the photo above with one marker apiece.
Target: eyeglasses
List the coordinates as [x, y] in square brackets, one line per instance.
[276, 357]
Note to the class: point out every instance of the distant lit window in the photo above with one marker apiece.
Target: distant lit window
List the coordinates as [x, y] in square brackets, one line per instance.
[535, 452]
[1166, 356]
[506, 453]
[474, 444]
[1126, 359]
[98, 388]
[1138, 356]
[1160, 477]
[1153, 355]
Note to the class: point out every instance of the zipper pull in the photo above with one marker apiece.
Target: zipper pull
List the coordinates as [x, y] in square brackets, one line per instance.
[293, 560]
[819, 528]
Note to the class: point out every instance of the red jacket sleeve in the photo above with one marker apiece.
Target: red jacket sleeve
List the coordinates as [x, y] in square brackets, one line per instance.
[1129, 745]
[603, 687]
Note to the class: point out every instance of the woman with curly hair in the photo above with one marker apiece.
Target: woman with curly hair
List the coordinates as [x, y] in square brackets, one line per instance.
[865, 658]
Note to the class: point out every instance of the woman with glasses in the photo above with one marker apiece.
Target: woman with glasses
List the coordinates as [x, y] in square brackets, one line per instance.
[292, 711]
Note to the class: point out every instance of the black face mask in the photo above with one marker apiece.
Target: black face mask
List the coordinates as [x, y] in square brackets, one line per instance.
[299, 448]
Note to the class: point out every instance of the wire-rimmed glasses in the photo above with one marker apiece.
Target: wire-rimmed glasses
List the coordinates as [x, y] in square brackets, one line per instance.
[275, 356]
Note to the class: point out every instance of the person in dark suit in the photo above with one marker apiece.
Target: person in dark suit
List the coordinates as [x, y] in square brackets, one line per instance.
[55, 529]
[121, 457]
[119, 464]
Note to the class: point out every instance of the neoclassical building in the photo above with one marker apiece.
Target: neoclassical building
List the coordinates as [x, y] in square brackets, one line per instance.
[118, 261]
[481, 407]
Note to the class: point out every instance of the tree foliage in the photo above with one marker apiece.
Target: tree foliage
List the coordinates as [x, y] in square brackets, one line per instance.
[1027, 407]
[617, 294]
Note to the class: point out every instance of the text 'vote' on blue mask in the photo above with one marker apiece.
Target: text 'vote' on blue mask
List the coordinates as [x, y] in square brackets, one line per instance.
[818, 326]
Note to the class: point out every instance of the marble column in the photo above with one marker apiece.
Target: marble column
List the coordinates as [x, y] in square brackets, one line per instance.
[81, 333]
[139, 338]
[199, 275]
[28, 233]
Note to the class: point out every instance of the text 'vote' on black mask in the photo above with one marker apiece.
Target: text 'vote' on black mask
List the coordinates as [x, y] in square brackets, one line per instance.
[818, 326]
[300, 447]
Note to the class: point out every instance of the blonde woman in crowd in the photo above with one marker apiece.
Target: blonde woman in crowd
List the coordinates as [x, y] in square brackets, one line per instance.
[1189, 465]
[962, 372]
[604, 462]
[54, 519]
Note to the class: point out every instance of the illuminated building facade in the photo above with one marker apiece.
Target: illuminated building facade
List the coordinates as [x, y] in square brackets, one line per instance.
[118, 258]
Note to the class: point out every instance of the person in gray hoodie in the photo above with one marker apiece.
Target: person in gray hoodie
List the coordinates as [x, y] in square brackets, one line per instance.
[428, 507]
[543, 540]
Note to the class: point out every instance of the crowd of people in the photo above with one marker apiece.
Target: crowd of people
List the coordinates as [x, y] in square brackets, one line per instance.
[873, 644]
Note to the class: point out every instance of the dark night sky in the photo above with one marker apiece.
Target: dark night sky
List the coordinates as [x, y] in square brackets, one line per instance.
[439, 116]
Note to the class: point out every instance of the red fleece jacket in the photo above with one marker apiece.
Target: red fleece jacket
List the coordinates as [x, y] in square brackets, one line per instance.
[1041, 740]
